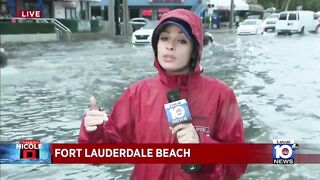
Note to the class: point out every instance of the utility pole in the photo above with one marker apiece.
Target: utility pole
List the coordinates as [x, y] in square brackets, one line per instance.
[102, 10]
[125, 17]
[111, 16]
[231, 14]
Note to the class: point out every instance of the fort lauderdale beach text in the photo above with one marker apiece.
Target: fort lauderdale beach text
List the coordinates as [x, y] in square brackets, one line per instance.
[123, 152]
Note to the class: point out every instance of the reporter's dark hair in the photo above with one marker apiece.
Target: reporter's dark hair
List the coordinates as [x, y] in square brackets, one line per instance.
[195, 54]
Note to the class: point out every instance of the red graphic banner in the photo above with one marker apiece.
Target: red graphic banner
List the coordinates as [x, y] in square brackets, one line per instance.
[169, 153]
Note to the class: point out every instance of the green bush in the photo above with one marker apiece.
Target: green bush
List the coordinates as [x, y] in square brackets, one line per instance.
[26, 28]
[95, 26]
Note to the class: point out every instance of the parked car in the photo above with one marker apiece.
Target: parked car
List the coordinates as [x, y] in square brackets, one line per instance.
[144, 34]
[207, 38]
[138, 23]
[250, 26]
[318, 22]
[290, 22]
[269, 24]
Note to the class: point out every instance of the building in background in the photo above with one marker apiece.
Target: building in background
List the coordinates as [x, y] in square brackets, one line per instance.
[150, 9]
[242, 9]
[255, 10]
[64, 9]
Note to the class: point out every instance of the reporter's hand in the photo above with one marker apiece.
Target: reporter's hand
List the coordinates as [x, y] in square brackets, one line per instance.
[94, 117]
[186, 133]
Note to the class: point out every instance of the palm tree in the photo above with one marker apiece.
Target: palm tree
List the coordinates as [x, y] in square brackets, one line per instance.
[285, 5]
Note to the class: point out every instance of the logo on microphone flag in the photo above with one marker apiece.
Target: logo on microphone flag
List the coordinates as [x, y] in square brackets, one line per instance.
[177, 112]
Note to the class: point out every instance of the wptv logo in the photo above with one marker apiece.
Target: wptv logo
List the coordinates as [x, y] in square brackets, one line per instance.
[29, 149]
[283, 151]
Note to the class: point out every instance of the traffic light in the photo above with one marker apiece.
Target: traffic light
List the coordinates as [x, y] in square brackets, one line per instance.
[210, 5]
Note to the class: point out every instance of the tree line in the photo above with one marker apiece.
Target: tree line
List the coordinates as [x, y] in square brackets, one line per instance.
[287, 5]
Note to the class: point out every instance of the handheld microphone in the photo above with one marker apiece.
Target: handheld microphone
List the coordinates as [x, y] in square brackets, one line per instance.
[177, 111]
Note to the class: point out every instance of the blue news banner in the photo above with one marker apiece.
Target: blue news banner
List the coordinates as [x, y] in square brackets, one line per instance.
[14, 154]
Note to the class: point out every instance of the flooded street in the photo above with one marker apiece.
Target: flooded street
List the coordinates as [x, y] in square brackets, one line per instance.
[45, 90]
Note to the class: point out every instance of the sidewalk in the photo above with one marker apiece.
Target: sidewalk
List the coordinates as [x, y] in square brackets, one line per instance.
[93, 36]
[89, 36]
[221, 30]
[224, 28]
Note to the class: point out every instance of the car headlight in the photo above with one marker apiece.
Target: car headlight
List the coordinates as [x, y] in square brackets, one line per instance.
[133, 39]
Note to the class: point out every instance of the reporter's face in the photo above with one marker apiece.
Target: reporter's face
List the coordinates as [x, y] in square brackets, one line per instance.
[174, 50]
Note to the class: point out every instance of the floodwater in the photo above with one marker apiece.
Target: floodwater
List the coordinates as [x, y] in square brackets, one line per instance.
[45, 90]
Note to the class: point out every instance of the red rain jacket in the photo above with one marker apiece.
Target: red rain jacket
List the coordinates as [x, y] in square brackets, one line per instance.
[138, 116]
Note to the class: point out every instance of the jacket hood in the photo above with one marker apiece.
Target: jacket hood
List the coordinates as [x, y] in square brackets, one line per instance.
[197, 31]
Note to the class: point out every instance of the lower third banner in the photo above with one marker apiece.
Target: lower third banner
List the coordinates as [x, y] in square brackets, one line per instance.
[178, 153]
[32, 151]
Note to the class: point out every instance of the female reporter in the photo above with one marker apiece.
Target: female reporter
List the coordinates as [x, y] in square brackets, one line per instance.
[138, 115]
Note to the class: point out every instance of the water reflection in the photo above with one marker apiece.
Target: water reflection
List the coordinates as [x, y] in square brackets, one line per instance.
[46, 88]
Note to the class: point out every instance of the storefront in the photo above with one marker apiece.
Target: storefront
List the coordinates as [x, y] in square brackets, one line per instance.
[4, 11]
[150, 9]
[154, 9]
[12, 7]
[8, 8]
[66, 9]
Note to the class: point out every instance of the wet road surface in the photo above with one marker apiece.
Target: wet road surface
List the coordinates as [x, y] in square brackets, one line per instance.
[45, 90]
